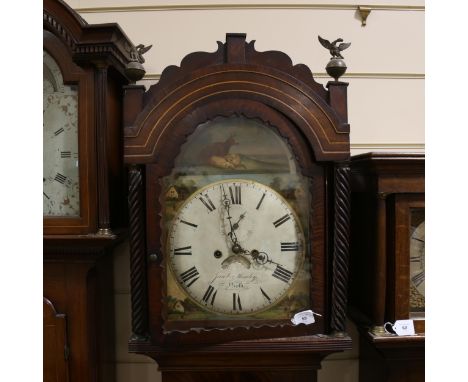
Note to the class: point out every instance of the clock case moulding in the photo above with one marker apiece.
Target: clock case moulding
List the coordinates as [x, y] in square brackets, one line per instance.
[236, 80]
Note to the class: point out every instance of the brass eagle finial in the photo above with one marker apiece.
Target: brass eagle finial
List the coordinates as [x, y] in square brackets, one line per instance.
[333, 48]
[140, 50]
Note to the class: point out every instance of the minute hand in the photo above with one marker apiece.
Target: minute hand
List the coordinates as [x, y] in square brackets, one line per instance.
[227, 204]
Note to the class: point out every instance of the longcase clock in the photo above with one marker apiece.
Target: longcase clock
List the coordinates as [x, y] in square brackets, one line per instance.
[239, 216]
[387, 266]
[84, 69]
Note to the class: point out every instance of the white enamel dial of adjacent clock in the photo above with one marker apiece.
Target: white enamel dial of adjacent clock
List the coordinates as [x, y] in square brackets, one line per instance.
[236, 247]
[60, 144]
[417, 262]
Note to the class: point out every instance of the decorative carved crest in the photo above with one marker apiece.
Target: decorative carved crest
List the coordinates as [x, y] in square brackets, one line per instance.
[237, 70]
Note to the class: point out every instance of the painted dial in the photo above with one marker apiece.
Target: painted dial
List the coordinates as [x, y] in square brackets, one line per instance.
[236, 247]
[417, 262]
[60, 144]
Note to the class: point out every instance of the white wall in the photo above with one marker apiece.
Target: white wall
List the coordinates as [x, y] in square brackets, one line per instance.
[385, 74]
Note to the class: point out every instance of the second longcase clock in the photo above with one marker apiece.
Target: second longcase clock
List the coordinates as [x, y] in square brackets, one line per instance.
[387, 274]
[85, 67]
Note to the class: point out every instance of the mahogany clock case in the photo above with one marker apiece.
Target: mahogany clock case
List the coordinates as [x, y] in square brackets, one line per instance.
[237, 81]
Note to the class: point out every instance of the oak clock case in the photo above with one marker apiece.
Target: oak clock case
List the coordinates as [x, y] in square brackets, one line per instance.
[239, 216]
[387, 267]
[388, 190]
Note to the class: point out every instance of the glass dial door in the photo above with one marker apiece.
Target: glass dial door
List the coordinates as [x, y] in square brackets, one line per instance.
[61, 194]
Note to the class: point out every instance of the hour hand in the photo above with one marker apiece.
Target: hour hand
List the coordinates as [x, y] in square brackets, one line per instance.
[234, 227]
[236, 224]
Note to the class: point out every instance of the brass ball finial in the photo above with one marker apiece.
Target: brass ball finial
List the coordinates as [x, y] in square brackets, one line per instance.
[135, 71]
[336, 67]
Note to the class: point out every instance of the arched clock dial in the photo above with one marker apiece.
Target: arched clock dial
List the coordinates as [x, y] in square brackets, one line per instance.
[236, 247]
[60, 144]
[417, 261]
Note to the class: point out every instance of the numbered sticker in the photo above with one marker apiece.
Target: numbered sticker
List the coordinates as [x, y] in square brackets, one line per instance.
[306, 317]
[404, 327]
[401, 328]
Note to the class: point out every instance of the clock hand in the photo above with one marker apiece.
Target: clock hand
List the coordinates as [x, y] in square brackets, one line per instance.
[261, 257]
[232, 235]
[236, 247]
[236, 224]
[227, 205]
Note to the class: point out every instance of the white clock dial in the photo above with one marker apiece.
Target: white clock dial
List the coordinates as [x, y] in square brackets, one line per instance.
[60, 144]
[236, 247]
[417, 261]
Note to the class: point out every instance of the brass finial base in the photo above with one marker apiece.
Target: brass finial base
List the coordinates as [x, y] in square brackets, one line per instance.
[105, 232]
[339, 334]
[378, 330]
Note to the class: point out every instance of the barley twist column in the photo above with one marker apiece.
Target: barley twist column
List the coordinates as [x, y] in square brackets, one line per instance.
[341, 247]
[137, 255]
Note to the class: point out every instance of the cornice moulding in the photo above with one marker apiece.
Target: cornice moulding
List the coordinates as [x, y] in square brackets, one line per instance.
[411, 76]
[388, 146]
[204, 7]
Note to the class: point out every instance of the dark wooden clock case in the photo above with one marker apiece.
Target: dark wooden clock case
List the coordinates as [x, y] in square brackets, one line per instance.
[238, 80]
[384, 188]
[78, 278]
